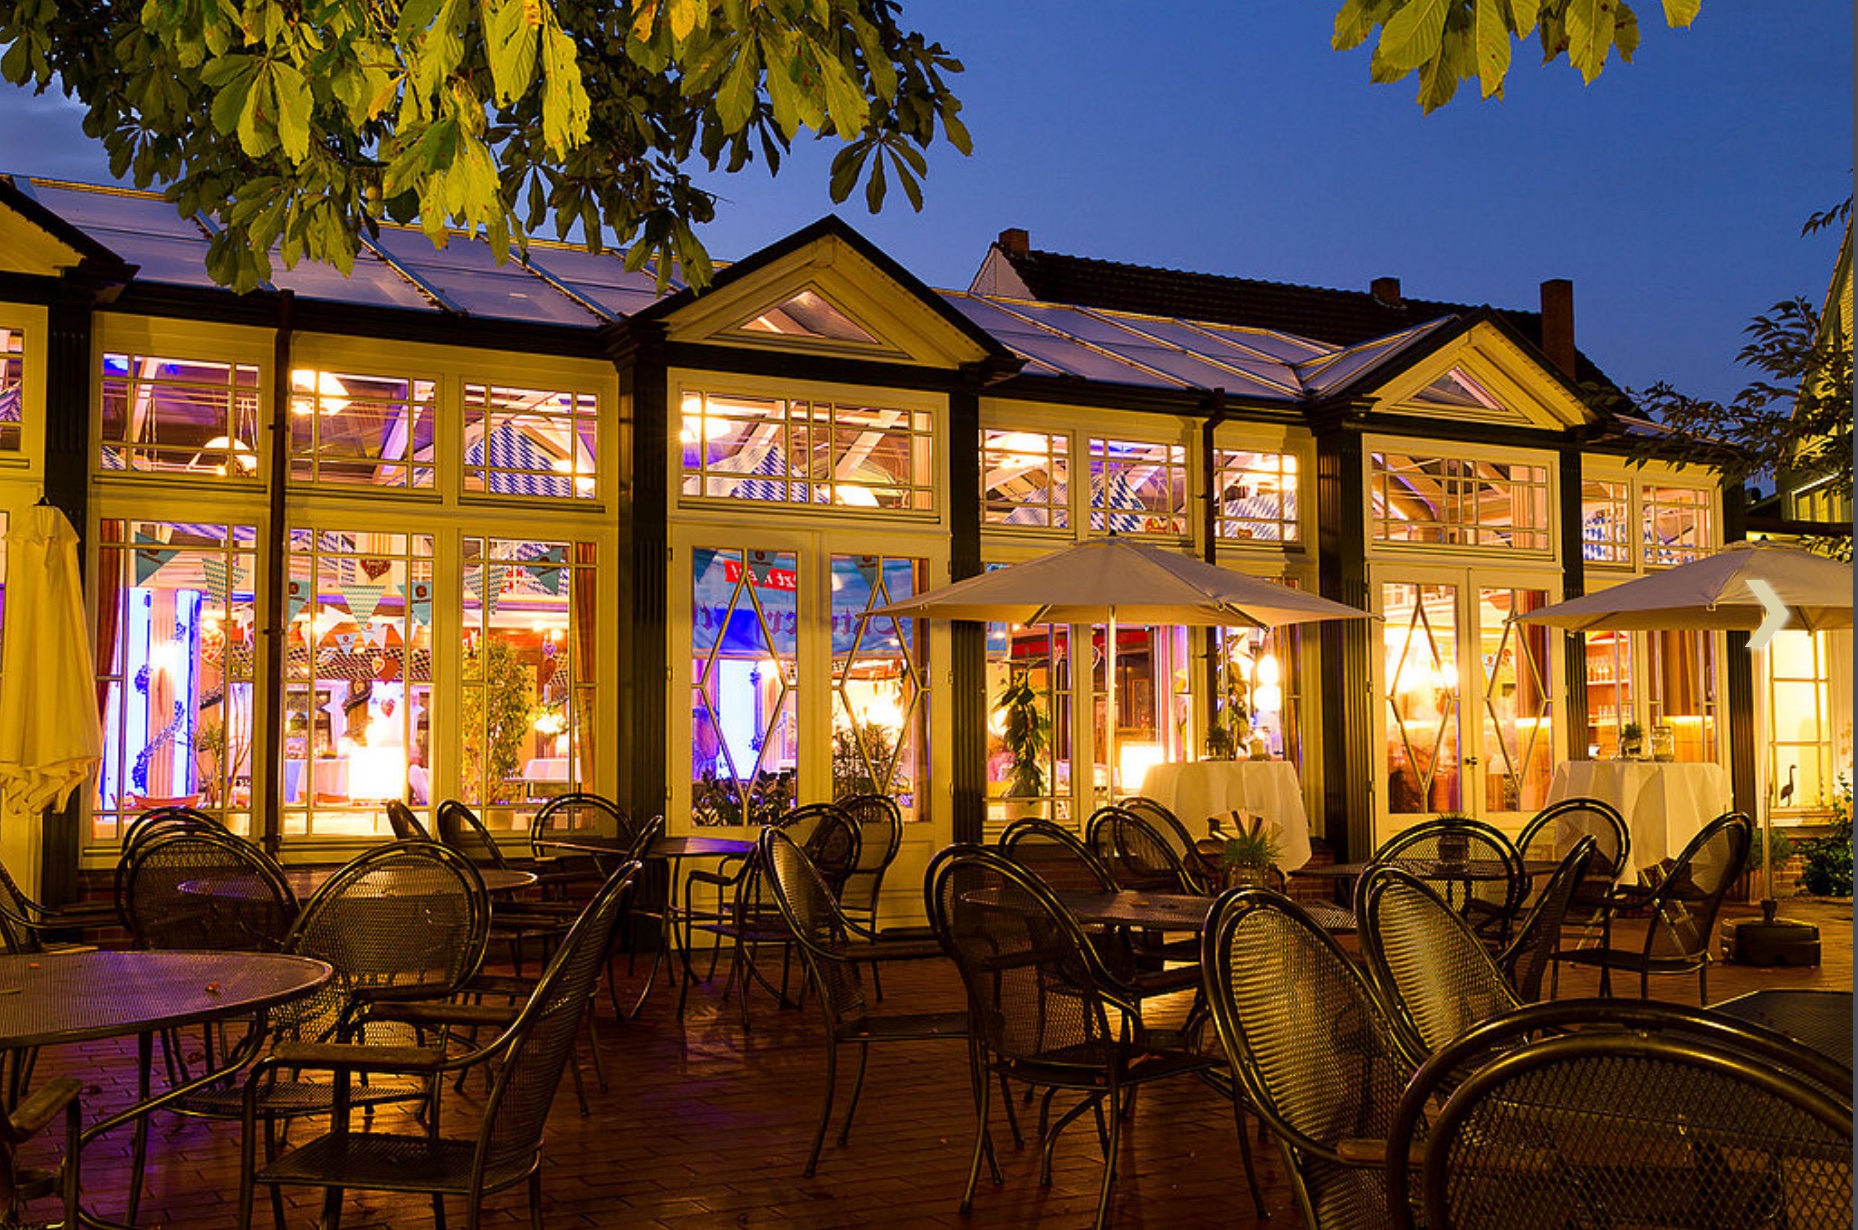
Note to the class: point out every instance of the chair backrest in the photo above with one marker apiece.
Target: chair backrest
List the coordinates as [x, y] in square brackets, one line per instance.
[1137, 853]
[1035, 988]
[1434, 974]
[1174, 831]
[541, 1039]
[818, 924]
[1055, 855]
[1310, 1043]
[1616, 1112]
[1685, 903]
[460, 829]
[1539, 935]
[19, 930]
[578, 813]
[830, 836]
[406, 824]
[644, 838]
[207, 889]
[1554, 830]
[880, 835]
[156, 818]
[1490, 905]
[410, 915]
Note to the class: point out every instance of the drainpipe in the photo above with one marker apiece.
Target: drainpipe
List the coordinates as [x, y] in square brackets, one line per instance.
[267, 795]
[1209, 476]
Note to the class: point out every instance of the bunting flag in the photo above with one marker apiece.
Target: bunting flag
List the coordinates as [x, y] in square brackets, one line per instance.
[149, 560]
[363, 597]
[296, 593]
[548, 580]
[421, 602]
[474, 580]
[345, 641]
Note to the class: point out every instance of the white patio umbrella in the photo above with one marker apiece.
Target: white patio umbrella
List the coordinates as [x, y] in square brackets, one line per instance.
[1107, 580]
[1713, 594]
[50, 739]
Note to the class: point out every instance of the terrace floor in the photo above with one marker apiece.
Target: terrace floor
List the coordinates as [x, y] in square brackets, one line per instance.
[704, 1126]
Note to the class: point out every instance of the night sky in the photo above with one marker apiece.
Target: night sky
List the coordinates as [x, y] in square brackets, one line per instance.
[1228, 138]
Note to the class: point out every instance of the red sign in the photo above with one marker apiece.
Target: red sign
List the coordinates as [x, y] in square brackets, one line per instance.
[773, 578]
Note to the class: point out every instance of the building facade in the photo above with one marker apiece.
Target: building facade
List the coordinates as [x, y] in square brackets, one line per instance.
[446, 529]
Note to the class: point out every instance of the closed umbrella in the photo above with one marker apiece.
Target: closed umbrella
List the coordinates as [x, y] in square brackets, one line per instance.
[1713, 594]
[50, 739]
[1109, 579]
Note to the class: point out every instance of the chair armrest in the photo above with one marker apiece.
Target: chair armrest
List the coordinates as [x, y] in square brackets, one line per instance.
[436, 1014]
[41, 1104]
[1374, 1152]
[354, 1058]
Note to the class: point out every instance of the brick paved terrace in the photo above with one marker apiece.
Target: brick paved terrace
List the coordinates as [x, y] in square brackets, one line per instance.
[705, 1126]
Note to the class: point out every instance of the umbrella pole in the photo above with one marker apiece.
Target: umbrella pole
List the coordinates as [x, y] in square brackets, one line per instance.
[1109, 705]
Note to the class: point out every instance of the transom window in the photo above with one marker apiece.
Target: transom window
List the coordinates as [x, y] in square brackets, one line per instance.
[1257, 498]
[1676, 525]
[1452, 501]
[787, 451]
[1025, 479]
[1138, 487]
[12, 386]
[1606, 533]
[180, 416]
[366, 430]
[531, 442]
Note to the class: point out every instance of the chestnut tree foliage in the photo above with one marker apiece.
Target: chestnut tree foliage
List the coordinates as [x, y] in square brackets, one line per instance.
[1450, 41]
[298, 125]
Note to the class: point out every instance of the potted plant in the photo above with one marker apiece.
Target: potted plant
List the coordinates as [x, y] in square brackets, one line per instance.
[1631, 741]
[1250, 851]
[1027, 732]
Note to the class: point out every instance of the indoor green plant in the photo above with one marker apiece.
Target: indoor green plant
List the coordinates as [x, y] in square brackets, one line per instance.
[1250, 851]
[1027, 732]
[1631, 741]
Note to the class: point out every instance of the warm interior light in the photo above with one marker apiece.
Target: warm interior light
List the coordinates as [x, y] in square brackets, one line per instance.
[1268, 670]
[855, 496]
[242, 454]
[323, 393]
[376, 772]
[168, 658]
[884, 712]
[1135, 761]
[1267, 698]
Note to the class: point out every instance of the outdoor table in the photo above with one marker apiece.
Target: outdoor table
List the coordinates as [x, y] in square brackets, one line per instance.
[1171, 911]
[304, 881]
[1665, 803]
[56, 998]
[1194, 792]
[671, 851]
[1819, 1020]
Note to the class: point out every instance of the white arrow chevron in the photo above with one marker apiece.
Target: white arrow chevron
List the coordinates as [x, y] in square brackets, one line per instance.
[1774, 620]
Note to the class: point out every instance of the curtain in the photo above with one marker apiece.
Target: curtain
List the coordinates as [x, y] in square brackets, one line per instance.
[582, 680]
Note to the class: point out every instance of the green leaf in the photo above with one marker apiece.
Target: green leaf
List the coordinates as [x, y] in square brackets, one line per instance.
[911, 187]
[1412, 35]
[510, 46]
[1352, 25]
[1524, 15]
[1625, 32]
[874, 187]
[847, 165]
[956, 131]
[1680, 13]
[740, 87]
[1493, 46]
[1590, 35]
[292, 95]
[566, 110]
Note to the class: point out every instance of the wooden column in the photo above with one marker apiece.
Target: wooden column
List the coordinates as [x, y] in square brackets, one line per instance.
[1573, 585]
[1351, 763]
[967, 691]
[643, 571]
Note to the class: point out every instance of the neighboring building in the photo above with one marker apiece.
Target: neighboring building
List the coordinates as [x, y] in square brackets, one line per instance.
[449, 529]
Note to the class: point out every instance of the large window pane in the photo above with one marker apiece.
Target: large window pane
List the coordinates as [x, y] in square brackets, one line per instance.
[531, 442]
[366, 430]
[357, 679]
[1028, 721]
[745, 678]
[180, 416]
[1676, 525]
[1606, 531]
[12, 386]
[1518, 703]
[1420, 640]
[784, 451]
[1683, 694]
[1257, 496]
[1450, 501]
[176, 634]
[526, 729]
[1138, 487]
[879, 680]
[1025, 479]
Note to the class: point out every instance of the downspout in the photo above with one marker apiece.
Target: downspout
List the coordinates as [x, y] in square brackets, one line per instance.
[268, 803]
[1209, 476]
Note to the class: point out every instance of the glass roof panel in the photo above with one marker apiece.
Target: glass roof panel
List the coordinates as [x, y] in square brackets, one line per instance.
[468, 275]
[1272, 375]
[132, 214]
[1277, 345]
[600, 277]
[159, 258]
[373, 284]
[809, 314]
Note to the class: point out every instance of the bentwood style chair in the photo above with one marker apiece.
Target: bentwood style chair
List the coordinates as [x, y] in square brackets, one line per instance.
[1678, 913]
[525, 1060]
[1312, 1049]
[406, 825]
[1041, 1006]
[1489, 902]
[832, 946]
[1552, 832]
[1618, 1113]
[1538, 936]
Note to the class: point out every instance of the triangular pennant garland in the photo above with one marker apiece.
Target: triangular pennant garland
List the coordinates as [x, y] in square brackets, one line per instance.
[422, 601]
[363, 597]
[296, 593]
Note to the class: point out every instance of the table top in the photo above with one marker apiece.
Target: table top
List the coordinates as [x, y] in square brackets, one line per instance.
[1430, 869]
[663, 848]
[304, 881]
[52, 998]
[1821, 1020]
[1172, 911]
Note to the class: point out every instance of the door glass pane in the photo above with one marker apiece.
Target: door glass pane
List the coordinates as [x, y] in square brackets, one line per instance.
[744, 672]
[879, 688]
[1518, 703]
[1028, 722]
[1682, 667]
[1609, 691]
[1420, 638]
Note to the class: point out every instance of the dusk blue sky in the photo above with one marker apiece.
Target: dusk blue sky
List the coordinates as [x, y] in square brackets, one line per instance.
[1228, 138]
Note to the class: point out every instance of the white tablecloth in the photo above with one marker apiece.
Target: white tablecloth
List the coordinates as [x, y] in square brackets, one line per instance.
[546, 769]
[1665, 803]
[1214, 787]
[328, 777]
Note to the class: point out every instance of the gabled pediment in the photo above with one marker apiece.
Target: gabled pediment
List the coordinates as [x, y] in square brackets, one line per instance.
[31, 249]
[826, 291]
[1481, 376]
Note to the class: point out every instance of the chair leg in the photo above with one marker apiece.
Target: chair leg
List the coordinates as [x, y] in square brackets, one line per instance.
[535, 1199]
[851, 1108]
[982, 1088]
[825, 1103]
[438, 1212]
[1245, 1153]
[1109, 1162]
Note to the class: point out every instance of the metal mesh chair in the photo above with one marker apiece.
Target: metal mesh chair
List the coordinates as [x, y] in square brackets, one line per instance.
[1137, 853]
[24, 1119]
[1175, 833]
[406, 825]
[1489, 900]
[1432, 971]
[206, 889]
[1538, 937]
[1041, 1007]
[526, 1059]
[832, 946]
[1552, 832]
[1679, 912]
[880, 835]
[1311, 1046]
[514, 923]
[1608, 1113]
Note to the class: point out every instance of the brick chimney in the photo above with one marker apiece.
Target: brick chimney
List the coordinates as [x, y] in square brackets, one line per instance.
[1015, 240]
[1558, 324]
[1386, 290]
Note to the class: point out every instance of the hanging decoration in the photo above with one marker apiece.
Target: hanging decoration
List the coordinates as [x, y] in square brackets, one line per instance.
[421, 602]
